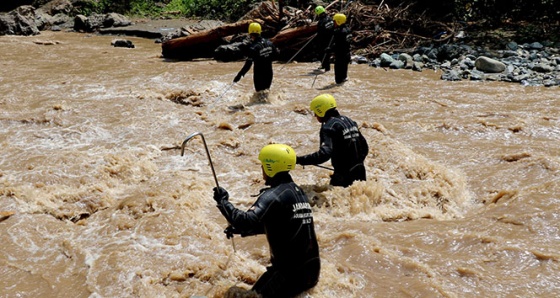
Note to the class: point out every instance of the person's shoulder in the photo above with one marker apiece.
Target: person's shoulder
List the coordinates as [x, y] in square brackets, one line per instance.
[330, 123]
[346, 118]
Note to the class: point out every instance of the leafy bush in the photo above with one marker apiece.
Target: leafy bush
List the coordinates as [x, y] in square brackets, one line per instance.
[226, 10]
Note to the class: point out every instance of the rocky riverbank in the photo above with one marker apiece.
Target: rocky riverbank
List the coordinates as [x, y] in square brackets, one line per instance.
[532, 64]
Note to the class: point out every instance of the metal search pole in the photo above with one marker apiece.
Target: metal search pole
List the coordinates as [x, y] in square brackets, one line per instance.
[223, 93]
[207, 152]
[323, 167]
[310, 39]
[322, 60]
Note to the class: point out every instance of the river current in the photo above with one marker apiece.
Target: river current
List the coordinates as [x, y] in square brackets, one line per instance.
[462, 197]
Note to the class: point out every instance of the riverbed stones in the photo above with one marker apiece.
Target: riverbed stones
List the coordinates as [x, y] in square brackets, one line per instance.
[530, 64]
[489, 65]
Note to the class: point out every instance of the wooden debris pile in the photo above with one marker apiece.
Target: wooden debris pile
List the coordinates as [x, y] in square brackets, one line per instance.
[380, 29]
[376, 29]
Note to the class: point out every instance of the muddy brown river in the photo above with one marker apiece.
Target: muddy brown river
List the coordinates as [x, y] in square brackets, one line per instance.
[462, 197]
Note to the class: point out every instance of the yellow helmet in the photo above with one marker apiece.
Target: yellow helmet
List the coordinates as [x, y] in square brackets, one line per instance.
[322, 103]
[255, 28]
[319, 10]
[277, 158]
[339, 19]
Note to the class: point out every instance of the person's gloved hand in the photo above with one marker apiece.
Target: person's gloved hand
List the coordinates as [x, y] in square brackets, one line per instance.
[229, 231]
[220, 195]
[237, 78]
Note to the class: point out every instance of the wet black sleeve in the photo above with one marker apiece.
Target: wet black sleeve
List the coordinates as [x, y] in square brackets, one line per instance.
[323, 154]
[249, 222]
[246, 67]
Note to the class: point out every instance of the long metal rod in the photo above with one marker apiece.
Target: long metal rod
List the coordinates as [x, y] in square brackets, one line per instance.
[323, 167]
[223, 93]
[322, 60]
[207, 152]
[310, 39]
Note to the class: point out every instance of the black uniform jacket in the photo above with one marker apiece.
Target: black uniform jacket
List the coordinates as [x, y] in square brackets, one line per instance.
[283, 213]
[342, 38]
[261, 52]
[341, 142]
[325, 27]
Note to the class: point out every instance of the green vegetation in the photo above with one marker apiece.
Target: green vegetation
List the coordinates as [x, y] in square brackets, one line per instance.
[227, 10]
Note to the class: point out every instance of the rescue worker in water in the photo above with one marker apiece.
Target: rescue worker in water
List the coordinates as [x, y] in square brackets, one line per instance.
[261, 52]
[324, 37]
[340, 141]
[283, 213]
[342, 39]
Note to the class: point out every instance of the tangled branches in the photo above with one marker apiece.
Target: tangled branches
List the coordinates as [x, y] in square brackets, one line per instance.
[377, 29]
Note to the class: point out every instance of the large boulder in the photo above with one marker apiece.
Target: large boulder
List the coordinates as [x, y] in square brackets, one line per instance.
[20, 21]
[489, 65]
[230, 52]
[95, 22]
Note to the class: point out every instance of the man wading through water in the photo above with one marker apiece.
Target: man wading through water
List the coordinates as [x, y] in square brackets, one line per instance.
[283, 213]
[324, 37]
[261, 51]
[342, 38]
[340, 141]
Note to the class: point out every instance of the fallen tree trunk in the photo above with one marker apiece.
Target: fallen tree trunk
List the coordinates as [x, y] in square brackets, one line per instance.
[202, 44]
[288, 35]
[291, 40]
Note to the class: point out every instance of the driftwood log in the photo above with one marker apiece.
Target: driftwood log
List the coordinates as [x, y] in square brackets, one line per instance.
[201, 44]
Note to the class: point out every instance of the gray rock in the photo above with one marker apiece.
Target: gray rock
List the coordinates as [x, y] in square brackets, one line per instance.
[122, 43]
[417, 66]
[386, 59]
[476, 75]
[521, 77]
[20, 21]
[396, 64]
[115, 20]
[446, 65]
[489, 65]
[407, 60]
[535, 46]
[451, 75]
[358, 59]
[510, 69]
[542, 67]
[512, 45]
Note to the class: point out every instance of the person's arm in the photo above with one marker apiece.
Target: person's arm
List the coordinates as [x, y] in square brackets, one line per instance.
[322, 155]
[246, 223]
[244, 70]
